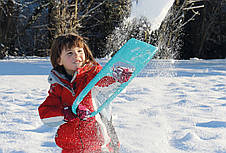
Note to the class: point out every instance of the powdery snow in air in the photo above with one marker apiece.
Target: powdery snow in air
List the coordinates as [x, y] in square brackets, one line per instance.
[154, 10]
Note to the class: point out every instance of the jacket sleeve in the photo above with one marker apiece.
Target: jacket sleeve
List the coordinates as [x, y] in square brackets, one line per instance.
[50, 111]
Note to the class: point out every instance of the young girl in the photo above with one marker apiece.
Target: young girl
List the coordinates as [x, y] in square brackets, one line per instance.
[73, 68]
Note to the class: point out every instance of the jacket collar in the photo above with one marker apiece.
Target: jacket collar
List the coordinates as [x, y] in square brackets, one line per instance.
[61, 79]
[56, 77]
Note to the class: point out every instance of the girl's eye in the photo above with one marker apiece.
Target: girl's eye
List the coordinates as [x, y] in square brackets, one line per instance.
[80, 51]
[69, 53]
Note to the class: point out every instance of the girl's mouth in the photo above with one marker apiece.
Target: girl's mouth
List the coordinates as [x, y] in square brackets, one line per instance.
[77, 61]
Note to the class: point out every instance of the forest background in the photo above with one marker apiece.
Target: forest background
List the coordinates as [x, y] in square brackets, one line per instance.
[191, 28]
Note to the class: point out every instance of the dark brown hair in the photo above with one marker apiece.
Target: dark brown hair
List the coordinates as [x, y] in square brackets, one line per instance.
[69, 41]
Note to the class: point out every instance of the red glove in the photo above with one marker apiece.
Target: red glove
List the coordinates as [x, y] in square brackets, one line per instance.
[68, 114]
[121, 74]
[83, 112]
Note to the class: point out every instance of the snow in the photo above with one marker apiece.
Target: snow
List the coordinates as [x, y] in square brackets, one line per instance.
[171, 107]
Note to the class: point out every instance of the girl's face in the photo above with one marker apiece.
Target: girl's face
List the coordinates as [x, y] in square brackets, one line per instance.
[72, 59]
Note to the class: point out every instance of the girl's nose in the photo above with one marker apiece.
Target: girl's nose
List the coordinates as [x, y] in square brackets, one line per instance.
[75, 54]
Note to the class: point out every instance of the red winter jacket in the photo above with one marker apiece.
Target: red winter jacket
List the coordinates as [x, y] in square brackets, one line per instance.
[91, 136]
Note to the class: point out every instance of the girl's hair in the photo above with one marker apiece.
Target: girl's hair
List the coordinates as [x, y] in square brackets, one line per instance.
[69, 41]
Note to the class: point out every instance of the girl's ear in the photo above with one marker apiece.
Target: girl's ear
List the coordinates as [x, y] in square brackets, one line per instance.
[59, 62]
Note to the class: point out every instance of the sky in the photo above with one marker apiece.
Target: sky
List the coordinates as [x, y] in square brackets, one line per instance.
[155, 10]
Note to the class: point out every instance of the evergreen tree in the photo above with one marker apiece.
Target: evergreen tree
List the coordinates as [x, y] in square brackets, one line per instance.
[205, 37]
[9, 15]
[171, 31]
[39, 22]
[194, 29]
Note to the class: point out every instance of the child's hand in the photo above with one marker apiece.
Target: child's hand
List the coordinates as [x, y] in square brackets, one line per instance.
[83, 112]
[68, 114]
[121, 74]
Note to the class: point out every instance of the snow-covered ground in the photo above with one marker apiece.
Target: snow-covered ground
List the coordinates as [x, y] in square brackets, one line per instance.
[171, 107]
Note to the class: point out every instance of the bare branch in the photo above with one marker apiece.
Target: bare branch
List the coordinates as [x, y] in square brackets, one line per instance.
[193, 1]
[194, 7]
[87, 13]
